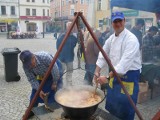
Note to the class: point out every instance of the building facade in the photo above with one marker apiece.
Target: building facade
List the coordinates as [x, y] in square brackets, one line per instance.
[9, 14]
[62, 11]
[102, 10]
[35, 15]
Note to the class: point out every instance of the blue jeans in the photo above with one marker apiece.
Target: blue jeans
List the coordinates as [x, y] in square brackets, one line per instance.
[90, 68]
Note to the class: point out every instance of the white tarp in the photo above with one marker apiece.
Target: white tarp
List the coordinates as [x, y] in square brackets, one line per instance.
[18, 28]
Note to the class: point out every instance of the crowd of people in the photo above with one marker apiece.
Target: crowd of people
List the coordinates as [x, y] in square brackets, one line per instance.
[149, 41]
[149, 45]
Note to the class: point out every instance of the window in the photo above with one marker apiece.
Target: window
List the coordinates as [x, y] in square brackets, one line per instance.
[72, 11]
[99, 5]
[13, 10]
[48, 1]
[33, 12]
[43, 12]
[100, 23]
[33, 0]
[62, 3]
[3, 10]
[48, 12]
[87, 1]
[43, 1]
[63, 13]
[67, 2]
[27, 11]
[74, 1]
[82, 1]
[28, 0]
[31, 26]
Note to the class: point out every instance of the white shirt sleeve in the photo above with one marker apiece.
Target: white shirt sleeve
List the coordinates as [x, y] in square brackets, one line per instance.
[101, 61]
[131, 49]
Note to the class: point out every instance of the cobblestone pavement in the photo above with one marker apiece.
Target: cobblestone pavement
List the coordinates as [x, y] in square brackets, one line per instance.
[14, 96]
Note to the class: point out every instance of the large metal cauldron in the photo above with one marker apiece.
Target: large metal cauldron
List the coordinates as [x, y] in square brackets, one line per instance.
[79, 113]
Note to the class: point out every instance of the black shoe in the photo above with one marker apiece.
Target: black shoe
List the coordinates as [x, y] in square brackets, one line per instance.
[30, 115]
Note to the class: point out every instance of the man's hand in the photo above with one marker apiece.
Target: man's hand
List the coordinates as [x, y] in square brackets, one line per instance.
[96, 76]
[102, 80]
[42, 95]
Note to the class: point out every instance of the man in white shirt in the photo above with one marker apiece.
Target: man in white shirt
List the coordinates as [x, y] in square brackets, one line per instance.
[122, 48]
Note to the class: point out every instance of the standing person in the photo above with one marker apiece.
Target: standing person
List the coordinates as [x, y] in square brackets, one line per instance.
[148, 45]
[60, 34]
[136, 30]
[86, 36]
[55, 35]
[35, 66]
[122, 48]
[157, 38]
[91, 51]
[157, 44]
[105, 35]
[66, 56]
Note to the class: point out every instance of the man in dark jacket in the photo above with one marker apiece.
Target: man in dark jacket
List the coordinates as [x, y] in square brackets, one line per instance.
[136, 30]
[148, 45]
[157, 44]
[104, 36]
[67, 54]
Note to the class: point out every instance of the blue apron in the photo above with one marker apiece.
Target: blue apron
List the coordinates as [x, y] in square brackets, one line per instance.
[60, 81]
[117, 102]
[47, 87]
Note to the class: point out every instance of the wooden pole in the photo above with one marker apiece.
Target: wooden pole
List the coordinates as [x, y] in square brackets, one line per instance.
[157, 116]
[81, 37]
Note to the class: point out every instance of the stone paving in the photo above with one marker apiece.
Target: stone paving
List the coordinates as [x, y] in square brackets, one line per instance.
[14, 96]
